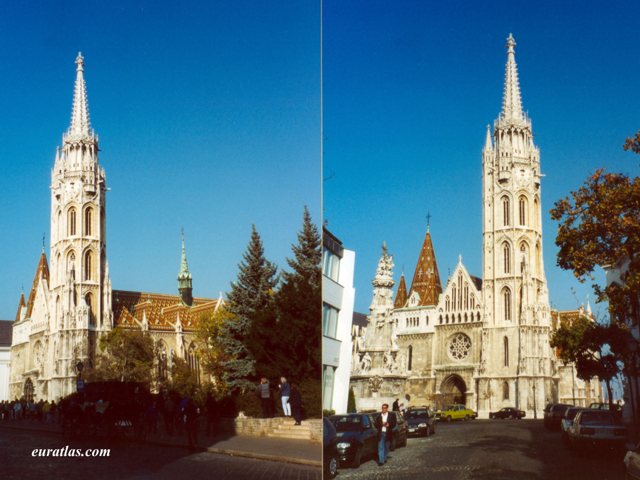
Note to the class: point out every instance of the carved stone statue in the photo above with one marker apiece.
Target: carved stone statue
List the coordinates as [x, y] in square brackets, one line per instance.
[366, 362]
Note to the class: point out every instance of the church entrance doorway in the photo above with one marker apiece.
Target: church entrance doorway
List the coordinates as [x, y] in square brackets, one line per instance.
[453, 390]
[28, 390]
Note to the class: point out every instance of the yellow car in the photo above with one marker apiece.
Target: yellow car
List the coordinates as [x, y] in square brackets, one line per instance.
[455, 412]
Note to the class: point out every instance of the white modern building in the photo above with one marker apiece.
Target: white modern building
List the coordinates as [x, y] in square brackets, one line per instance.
[338, 295]
[5, 357]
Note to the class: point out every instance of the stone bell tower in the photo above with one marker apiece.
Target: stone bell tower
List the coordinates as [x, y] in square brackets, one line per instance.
[516, 304]
[79, 281]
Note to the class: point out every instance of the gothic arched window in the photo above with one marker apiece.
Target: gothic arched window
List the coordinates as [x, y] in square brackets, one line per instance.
[88, 214]
[506, 255]
[162, 361]
[505, 212]
[447, 304]
[193, 362]
[466, 296]
[506, 351]
[454, 294]
[505, 391]
[523, 210]
[92, 316]
[506, 302]
[71, 221]
[410, 359]
[87, 265]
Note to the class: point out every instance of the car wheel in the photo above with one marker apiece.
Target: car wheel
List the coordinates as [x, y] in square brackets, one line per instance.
[357, 458]
[332, 467]
[510, 417]
[448, 418]
[466, 418]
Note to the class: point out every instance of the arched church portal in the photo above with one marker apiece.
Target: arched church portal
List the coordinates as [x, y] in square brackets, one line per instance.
[28, 390]
[453, 390]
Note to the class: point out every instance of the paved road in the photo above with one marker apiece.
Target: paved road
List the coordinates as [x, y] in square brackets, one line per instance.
[132, 461]
[489, 450]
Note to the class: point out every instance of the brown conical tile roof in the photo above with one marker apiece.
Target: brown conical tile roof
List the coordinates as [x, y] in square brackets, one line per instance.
[42, 273]
[401, 294]
[426, 279]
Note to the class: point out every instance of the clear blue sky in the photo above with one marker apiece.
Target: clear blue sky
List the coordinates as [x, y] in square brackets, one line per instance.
[208, 115]
[409, 87]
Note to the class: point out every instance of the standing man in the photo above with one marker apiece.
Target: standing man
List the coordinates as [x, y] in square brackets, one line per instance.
[295, 400]
[385, 423]
[285, 391]
[264, 392]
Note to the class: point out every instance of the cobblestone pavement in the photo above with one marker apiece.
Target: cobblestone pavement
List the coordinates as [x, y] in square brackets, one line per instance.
[131, 461]
[490, 450]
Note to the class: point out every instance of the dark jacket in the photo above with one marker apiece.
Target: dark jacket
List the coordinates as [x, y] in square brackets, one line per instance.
[393, 422]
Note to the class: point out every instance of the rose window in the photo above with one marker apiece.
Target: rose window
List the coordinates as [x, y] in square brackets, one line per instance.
[460, 346]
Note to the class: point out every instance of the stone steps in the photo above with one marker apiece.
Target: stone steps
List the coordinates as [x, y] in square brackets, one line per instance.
[290, 430]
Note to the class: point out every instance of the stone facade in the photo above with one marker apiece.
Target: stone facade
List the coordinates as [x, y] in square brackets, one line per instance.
[481, 342]
[71, 301]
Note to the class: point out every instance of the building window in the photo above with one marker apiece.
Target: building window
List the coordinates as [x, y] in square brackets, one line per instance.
[193, 362]
[505, 212]
[447, 304]
[330, 264]
[506, 351]
[523, 210]
[328, 379]
[87, 221]
[87, 265]
[71, 221]
[506, 255]
[506, 297]
[505, 391]
[92, 316]
[162, 361]
[329, 321]
[410, 359]
[454, 294]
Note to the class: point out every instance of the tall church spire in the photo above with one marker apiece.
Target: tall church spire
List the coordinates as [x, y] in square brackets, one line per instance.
[511, 100]
[184, 277]
[80, 127]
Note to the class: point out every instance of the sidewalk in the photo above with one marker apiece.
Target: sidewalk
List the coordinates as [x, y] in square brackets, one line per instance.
[301, 452]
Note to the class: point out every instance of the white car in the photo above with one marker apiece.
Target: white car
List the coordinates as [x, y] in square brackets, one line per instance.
[597, 428]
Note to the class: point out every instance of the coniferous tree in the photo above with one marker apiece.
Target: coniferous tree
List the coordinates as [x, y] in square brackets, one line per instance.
[300, 306]
[251, 294]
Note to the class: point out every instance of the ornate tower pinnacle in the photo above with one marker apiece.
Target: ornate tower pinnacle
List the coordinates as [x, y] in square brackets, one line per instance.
[184, 277]
[488, 145]
[511, 100]
[80, 127]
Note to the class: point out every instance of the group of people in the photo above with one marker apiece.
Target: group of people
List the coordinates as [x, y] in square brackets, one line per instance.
[289, 396]
[43, 411]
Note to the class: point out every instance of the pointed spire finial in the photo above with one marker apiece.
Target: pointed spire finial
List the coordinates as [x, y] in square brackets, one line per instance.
[80, 127]
[43, 237]
[488, 145]
[428, 220]
[511, 100]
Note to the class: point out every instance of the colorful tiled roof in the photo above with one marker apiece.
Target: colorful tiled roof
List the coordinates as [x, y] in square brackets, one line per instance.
[401, 294]
[42, 273]
[426, 279]
[161, 311]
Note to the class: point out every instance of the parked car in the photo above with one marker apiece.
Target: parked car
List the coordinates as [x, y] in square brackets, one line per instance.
[357, 437]
[508, 412]
[553, 413]
[567, 421]
[606, 406]
[400, 432]
[597, 428]
[632, 463]
[421, 421]
[329, 449]
[455, 412]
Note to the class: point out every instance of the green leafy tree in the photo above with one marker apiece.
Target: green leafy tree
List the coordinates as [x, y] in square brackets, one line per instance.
[126, 356]
[250, 296]
[212, 353]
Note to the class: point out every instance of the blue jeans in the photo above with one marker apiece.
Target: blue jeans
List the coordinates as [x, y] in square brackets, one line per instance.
[383, 448]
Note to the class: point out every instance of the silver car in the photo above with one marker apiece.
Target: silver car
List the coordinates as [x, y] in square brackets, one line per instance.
[597, 428]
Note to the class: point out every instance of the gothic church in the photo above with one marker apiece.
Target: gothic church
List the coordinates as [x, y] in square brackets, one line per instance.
[483, 342]
[71, 301]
